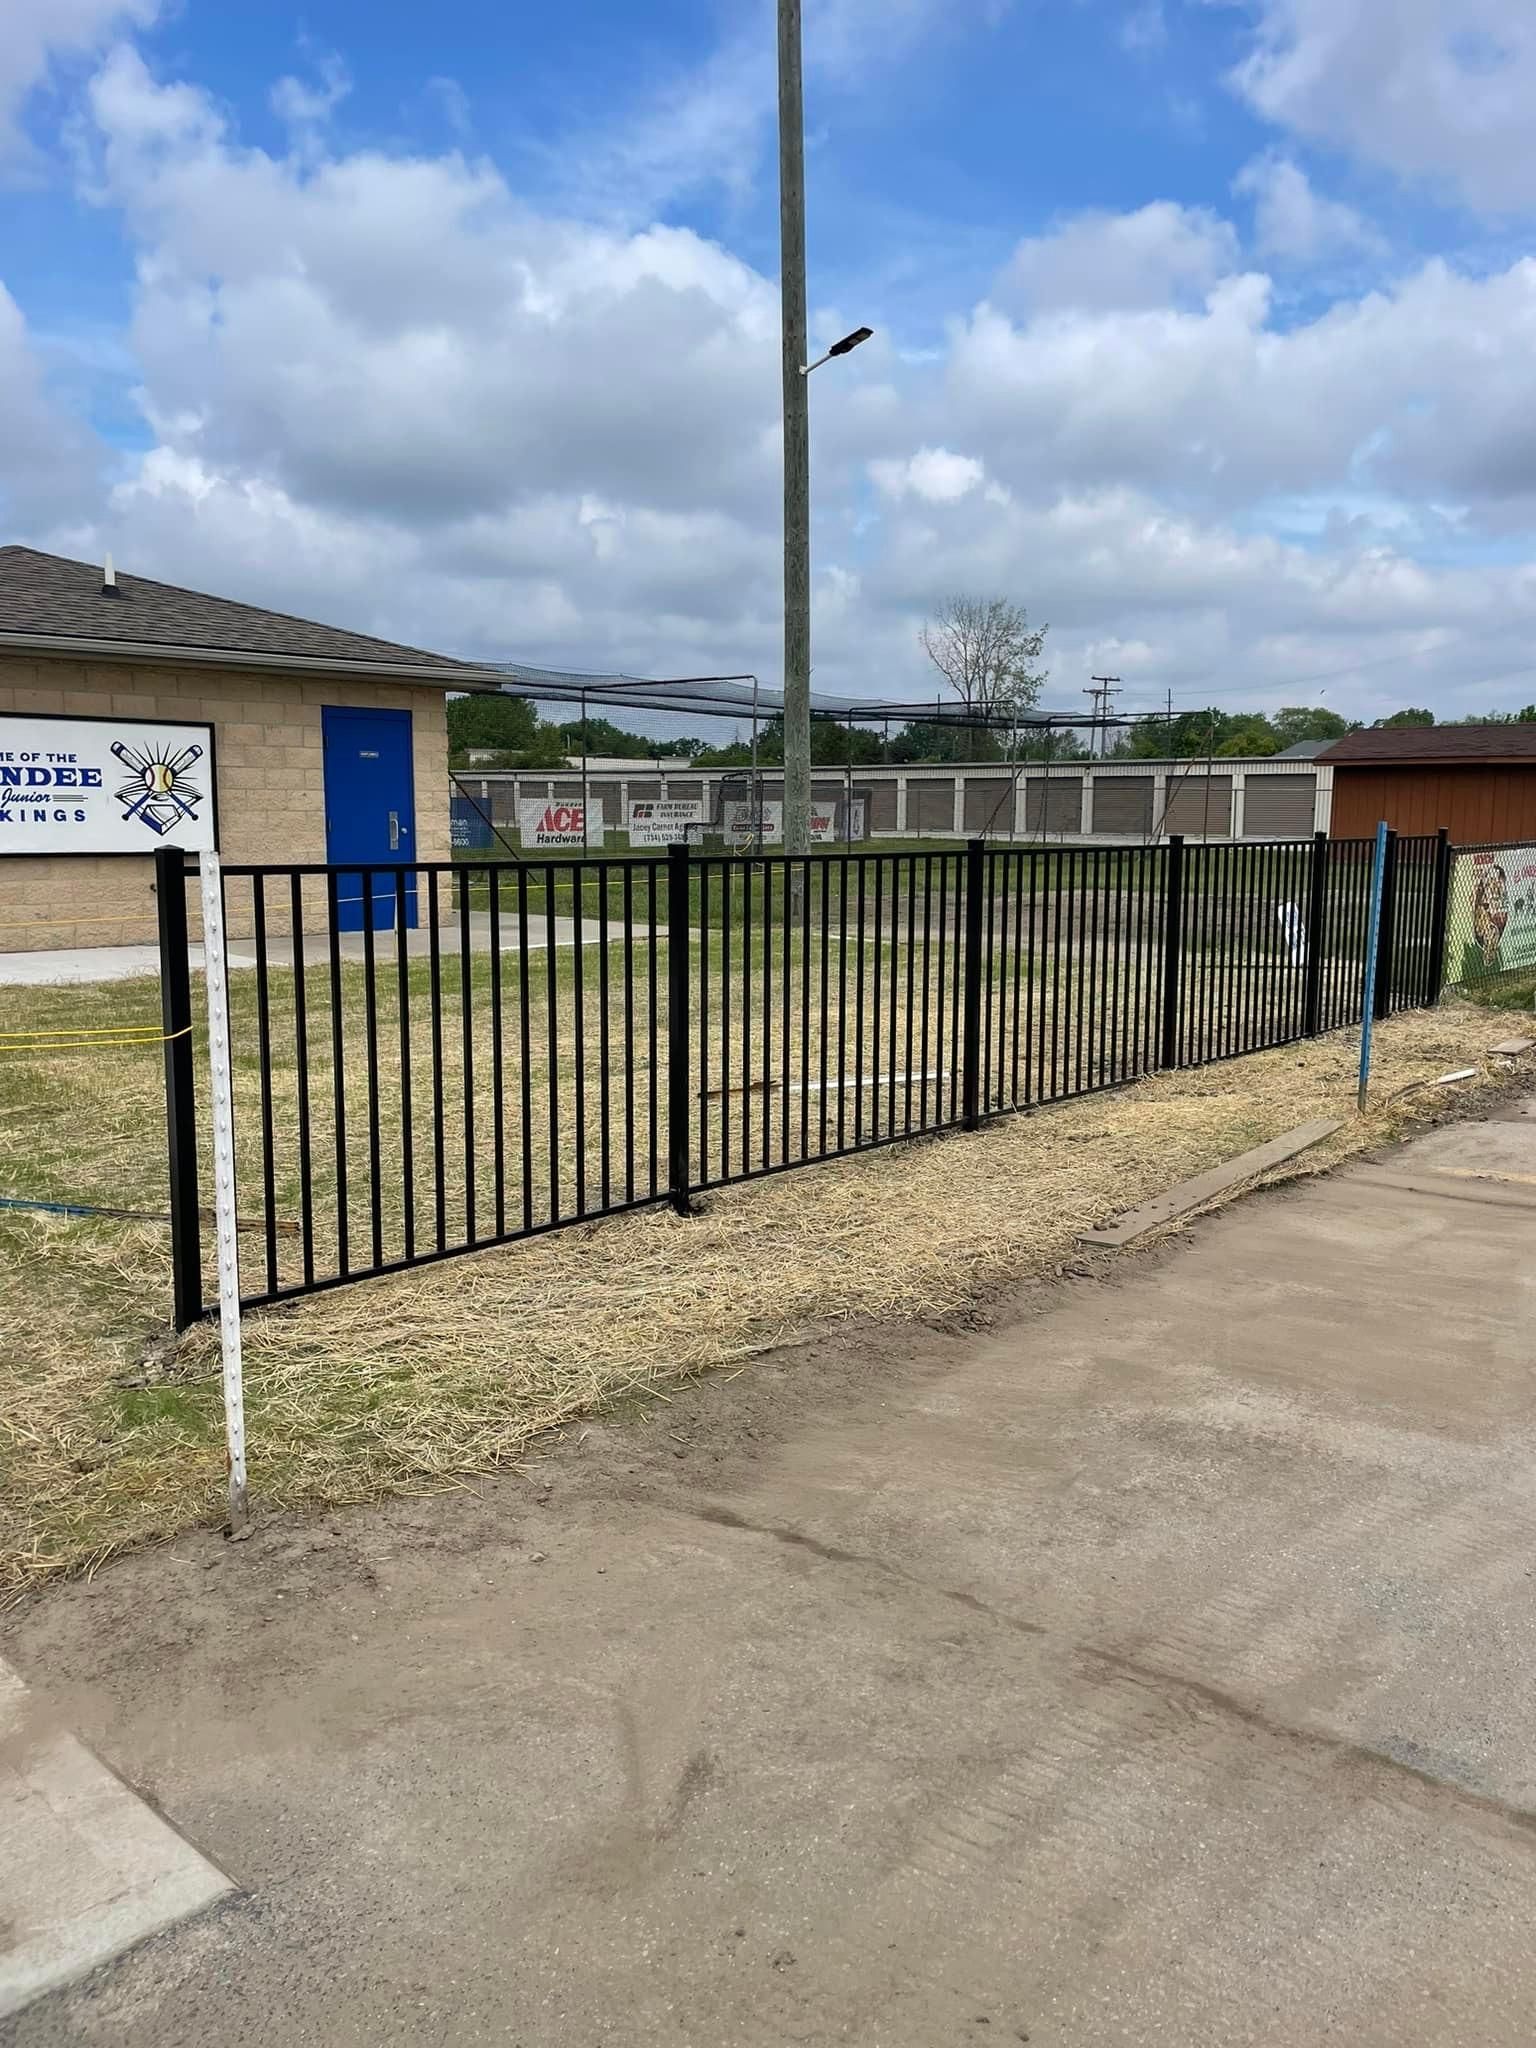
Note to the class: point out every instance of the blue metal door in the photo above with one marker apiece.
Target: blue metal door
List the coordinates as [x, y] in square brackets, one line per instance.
[370, 808]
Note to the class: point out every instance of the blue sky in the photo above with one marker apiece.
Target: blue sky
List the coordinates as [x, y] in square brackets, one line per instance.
[1204, 327]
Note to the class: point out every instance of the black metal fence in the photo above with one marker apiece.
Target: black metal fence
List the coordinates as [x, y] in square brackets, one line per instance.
[433, 1058]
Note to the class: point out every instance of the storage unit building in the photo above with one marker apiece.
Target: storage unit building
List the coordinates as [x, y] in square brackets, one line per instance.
[1478, 782]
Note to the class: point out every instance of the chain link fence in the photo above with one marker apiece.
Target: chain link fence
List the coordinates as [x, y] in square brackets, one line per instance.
[1490, 930]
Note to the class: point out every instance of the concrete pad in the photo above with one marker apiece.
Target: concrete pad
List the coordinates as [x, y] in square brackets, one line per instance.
[66, 966]
[1497, 1147]
[1190, 1194]
[71, 965]
[86, 1868]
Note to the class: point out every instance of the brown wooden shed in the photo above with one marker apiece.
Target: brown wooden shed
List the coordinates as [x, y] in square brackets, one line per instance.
[1478, 781]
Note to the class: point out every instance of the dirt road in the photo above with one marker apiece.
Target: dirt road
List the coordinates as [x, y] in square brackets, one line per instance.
[1153, 1666]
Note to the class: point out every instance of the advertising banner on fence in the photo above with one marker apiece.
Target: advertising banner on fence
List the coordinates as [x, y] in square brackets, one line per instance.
[749, 824]
[828, 822]
[663, 821]
[105, 785]
[469, 825]
[557, 824]
[1491, 926]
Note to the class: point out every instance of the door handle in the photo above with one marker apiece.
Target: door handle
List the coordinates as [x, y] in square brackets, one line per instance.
[394, 831]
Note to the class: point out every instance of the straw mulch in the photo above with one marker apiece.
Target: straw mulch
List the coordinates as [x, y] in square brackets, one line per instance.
[405, 1383]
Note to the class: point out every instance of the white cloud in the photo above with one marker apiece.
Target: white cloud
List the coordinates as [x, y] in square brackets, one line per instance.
[932, 474]
[399, 333]
[1153, 257]
[1144, 31]
[308, 103]
[47, 461]
[1439, 89]
[1294, 223]
[384, 390]
[38, 35]
[707, 125]
[1426, 389]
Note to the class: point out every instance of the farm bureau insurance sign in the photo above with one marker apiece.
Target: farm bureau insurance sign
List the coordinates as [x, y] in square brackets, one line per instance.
[663, 821]
[104, 785]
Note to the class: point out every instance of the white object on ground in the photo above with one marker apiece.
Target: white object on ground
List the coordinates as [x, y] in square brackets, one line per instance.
[86, 1868]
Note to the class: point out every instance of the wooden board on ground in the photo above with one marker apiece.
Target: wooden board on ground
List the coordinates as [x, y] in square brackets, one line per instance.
[1190, 1194]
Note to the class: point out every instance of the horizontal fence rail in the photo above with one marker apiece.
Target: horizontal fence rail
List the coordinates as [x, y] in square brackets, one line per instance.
[433, 1058]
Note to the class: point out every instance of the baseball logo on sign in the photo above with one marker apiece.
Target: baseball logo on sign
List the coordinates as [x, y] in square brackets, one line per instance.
[160, 792]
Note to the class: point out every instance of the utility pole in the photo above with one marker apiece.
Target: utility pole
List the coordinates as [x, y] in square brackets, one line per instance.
[1106, 688]
[797, 451]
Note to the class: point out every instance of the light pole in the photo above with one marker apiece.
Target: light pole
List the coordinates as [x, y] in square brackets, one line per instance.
[797, 435]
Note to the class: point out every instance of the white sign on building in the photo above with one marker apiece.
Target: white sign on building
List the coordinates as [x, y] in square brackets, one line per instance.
[663, 821]
[551, 823]
[105, 785]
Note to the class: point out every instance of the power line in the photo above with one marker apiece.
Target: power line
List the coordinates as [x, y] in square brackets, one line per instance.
[1104, 689]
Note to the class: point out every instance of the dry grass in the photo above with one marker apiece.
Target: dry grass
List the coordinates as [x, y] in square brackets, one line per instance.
[405, 1383]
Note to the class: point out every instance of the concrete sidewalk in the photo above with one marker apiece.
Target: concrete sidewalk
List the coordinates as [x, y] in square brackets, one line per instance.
[90, 964]
[1156, 1668]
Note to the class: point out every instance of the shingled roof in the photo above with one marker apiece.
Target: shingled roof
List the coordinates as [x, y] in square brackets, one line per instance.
[47, 598]
[1473, 746]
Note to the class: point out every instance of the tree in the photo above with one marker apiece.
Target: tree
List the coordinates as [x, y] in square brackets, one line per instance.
[985, 651]
[1408, 717]
[737, 755]
[602, 736]
[1033, 745]
[1186, 735]
[832, 746]
[509, 727]
[508, 724]
[1297, 722]
[1248, 734]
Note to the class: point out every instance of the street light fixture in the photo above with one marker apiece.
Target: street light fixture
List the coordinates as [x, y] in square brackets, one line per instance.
[844, 347]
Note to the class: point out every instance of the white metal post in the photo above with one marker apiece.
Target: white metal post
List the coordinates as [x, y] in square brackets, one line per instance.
[216, 980]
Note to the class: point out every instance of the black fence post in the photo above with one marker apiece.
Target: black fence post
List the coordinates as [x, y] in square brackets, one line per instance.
[180, 1099]
[1386, 950]
[1173, 949]
[1440, 916]
[1317, 910]
[970, 1065]
[678, 998]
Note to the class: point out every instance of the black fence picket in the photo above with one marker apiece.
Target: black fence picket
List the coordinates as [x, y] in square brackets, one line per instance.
[433, 1058]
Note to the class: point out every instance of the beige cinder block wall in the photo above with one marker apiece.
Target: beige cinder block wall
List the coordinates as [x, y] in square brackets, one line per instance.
[270, 784]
